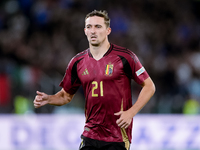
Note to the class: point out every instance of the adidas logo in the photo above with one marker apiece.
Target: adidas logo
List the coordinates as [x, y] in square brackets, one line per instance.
[85, 72]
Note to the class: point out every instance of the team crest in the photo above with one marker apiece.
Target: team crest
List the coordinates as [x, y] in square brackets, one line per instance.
[109, 69]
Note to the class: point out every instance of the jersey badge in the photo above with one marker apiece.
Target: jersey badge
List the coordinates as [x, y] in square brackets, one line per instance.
[85, 72]
[109, 69]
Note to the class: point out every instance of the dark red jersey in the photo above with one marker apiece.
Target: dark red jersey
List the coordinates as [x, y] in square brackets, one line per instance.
[107, 88]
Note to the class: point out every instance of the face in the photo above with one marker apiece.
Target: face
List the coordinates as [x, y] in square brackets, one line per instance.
[96, 30]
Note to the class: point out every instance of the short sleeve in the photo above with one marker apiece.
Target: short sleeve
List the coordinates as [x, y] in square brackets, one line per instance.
[71, 82]
[139, 74]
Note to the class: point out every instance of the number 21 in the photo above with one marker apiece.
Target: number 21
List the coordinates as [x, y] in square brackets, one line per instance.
[95, 83]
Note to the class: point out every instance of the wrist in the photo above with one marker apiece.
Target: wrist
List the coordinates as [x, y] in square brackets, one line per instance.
[48, 99]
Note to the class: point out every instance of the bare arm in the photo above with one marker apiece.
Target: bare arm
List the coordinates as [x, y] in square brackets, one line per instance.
[146, 93]
[59, 99]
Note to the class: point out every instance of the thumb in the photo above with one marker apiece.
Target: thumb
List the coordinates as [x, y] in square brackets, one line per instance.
[118, 113]
[40, 93]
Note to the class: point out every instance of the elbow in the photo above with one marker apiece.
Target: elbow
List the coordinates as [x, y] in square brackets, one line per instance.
[67, 98]
[153, 89]
[63, 102]
[150, 86]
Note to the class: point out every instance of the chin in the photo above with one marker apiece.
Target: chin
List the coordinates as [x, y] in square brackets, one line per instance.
[95, 44]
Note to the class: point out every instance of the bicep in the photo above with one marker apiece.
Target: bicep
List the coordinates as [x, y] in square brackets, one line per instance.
[148, 83]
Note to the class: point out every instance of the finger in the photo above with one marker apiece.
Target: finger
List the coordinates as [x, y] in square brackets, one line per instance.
[118, 113]
[126, 126]
[121, 124]
[119, 121]
[39, 93]
[36, 106]
[38, 98]
[36, 103]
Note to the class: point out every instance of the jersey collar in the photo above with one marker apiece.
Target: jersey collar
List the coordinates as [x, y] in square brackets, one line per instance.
[108, 51]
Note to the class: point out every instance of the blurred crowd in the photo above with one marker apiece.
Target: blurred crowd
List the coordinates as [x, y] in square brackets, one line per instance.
[39, 37]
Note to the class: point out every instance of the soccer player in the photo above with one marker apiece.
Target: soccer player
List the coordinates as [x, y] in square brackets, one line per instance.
[105, 71]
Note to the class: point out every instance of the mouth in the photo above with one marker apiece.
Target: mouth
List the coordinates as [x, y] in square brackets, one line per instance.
[93, 37]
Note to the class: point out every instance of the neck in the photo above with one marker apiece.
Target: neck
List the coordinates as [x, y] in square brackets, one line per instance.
[99, 51]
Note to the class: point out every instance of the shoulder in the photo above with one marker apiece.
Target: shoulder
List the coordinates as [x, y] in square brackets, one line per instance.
[81, 54]
[124, 52]
[78, 57]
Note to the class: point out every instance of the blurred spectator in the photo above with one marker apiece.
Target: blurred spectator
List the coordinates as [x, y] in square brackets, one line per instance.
[191, 107]
[5, 93]
[38, 39]
[22, 105]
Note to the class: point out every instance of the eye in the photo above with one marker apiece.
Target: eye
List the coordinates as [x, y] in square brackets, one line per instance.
[98, 26]
[89, 26]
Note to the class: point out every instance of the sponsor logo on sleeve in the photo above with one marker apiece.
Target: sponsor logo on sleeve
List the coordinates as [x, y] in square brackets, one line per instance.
[140, 71]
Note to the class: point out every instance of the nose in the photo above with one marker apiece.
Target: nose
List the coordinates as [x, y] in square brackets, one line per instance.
[93, 30]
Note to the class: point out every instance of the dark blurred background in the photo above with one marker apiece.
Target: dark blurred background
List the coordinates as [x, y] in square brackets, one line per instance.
[39, 37]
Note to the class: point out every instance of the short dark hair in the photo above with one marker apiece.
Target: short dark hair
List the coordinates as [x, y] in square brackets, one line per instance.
[100, 13]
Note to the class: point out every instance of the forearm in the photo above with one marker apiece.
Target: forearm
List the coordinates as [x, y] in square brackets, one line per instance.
[60, 98]
[146, 93]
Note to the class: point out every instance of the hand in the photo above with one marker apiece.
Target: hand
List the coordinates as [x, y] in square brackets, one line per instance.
[124, 120]
[41, 99]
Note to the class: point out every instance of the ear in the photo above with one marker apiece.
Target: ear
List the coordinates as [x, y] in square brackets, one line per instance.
[108, 31]
[85, 30]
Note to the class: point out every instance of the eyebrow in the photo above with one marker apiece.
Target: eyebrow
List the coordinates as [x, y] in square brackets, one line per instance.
[94, 25]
